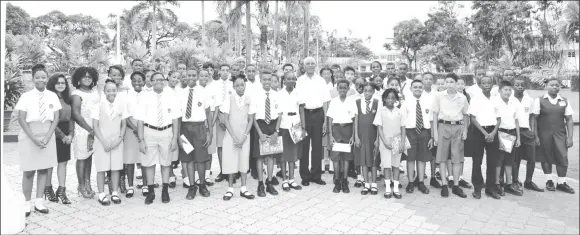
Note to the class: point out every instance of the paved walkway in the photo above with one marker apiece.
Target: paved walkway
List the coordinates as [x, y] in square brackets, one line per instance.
[313, 210]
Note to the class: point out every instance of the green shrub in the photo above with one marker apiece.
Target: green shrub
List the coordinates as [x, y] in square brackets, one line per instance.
[467, 76]
[575, 83]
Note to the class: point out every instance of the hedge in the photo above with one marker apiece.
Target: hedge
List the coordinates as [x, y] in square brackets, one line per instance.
[467, 76]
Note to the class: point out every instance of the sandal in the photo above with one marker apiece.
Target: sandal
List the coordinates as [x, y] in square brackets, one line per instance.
[388, 195]
[295, 186]
[365, 191]
[130, 193]
[358, 184]
[228, 196]
[286, 186]
[144, 191]
[247, 195]
[105, 201]
[374, 190]
[115, 199]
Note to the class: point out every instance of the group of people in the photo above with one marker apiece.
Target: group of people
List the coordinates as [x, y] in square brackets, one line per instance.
[356, 127]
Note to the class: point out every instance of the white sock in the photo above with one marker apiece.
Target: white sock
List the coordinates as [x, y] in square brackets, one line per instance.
[39, 203]
[28, 205]
[549, 176]
[230, 189]
[367, 185]
[172, 179]
[360, 178]
[186, 181]
[243, 189]
[374, 185]
[450, 177]
[207, 174]
[460, 177]
[114, 193]
[291, 181]
[102, 196]
[561, 180]
[396, 186]
[387, 183]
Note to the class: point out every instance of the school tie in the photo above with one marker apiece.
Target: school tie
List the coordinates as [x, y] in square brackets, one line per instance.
[111, 112]
[224, 93]
[42, 108]
[159, 111]
[419, 124]
[267, 113]
[189, 103]
[368, 106]
[240, 103]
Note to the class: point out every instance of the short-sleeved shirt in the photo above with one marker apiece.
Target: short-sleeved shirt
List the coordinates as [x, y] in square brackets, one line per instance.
[117, 108]
[484, 109]
[508, 111]
[210, 96]
[473, 90]
[241, 101]
[148, 113]
[409, 111]
[389, 120]
[312, 91]
[558, 100]
[406, 88]
[133, 99]
[342, 112]
[288, 104]
[364, 104]
[525, 110]
[449, 108]
[199, 103]
[30, 103]
[258, 104]
[221, 89]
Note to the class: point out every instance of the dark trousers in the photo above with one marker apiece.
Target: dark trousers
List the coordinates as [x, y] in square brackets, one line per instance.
[253, 153]
[478, 145]
[314, 119]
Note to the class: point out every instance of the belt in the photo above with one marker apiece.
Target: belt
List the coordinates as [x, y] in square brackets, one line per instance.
[291, 114]
[422, 129]
[451, 122]
[342, 124]
[158, 128]
[506, 130]
[312, 110]
[487, 126]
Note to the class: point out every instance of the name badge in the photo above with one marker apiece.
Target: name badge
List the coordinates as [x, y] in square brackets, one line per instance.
[199, 104]
[562, 103]
[50, 106]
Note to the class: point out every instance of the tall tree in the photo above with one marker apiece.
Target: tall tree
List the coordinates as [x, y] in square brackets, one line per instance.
[410, 36]
[203, 36]
[248, 33]
[157, 10]
[262, 6]
[306, 9]
[276, 29]
[569, 27]
[17, 20]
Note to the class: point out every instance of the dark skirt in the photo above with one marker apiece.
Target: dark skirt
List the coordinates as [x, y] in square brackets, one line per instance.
[527, 149]
[62, 149]
[196, 135]
[291, 150]
[552, 149]
[342, 133]
[267, 129]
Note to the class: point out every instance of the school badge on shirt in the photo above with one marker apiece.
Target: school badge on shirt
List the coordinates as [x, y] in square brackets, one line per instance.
[169, 110]
[50, 106]
[427, 111]
[199, 104]
[562, 103]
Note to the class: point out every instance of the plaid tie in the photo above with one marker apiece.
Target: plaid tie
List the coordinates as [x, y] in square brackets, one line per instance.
[267, 113]
[111, 112]
[368, 106]
[159, 111]
[42, 108]
[189, 103]
[419, 124]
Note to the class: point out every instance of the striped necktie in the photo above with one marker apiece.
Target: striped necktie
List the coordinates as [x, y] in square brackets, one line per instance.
[240, 102]
[419, 124]
[267, 111]
[189, 103]
[224, 91]
[111, 111]
[42, 107]
[159, 111]
[368, 106]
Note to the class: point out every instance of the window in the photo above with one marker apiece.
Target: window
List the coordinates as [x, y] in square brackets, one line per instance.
[571, 54]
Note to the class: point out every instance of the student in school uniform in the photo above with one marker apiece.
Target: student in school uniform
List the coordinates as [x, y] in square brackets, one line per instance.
[117, 74]
[265, 107]
[182, 70]
[390, 125]
[404, 81]
[204, 78]
[195, 113]
[38, 115]
[220, 89]
[136, 66]
[527, 149]
[350, 74]
[109, 122]
[341, 116]
[158, 121]
[376, 68]
[291, 116]
[417, 120]
[64, 133]
[485, 120]
[252, 84]
[508, 109]
[84, 98]
[366, 139]
[328, 75]
[148, 84]
[131, 154]
[236, 144]
[554, 134]
[429, 90]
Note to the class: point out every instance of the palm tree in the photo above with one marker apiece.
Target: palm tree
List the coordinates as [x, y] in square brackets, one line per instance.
[276, 29]
[569, 27]
[157, 9]
[289, 7]
[263, 8]
[248, 33]
[202, 22]
[306, 8]
[232, 22]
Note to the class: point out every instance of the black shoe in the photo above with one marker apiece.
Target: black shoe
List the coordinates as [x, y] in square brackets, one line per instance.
[345, 188]
[492, 193]
[208, 182]
[295, 186]
[104, 202]
[374, 190]
[434, 183]
[61, 195]
[532, 186]
[450, 183]
[397, 195]
[116, 199]
[203, 191]
[410, 188]
[139, 177]
[261, 190]
[49, 194]
[228, 196]
[444, 191]
[476, 194]
[423, 188]
[285, 186]
[499, 190]
[351, 174]
[550, 186]
[45, 210]
[279, 174]
[275, 181]
[305, 182]
[416, 182]
[318, 181]
[255, 177]
[457, 191]
[150, 197]
[464, 184]
[270, 188]
[172, 184]
[438, 175]
[564, 187]
[512, 189]
[220, 177]
[337, 186]
[365, 191]
[358, 184]
[156, 185]
[165, 194]
[175, 165]
[191, 192]
[247, 195]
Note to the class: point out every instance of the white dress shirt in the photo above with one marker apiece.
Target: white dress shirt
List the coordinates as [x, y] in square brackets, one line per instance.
[558, 100]
[508, 111]
[258, 104]
[409, 111]
[312, 92]
[199, 103]
[289, 104]
[133, 99]
[484, 109]
[147, 110]
[113, 110]
[210, 96]
[406, 88]
[31, 101]
[221, 89]
[474, 90]
[525, 110]
[342, 112]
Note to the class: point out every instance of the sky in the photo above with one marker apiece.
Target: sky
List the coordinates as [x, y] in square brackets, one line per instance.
[364, 18]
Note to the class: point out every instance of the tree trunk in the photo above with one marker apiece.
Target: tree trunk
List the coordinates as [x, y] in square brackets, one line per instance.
[306, 8]
[229, 28]
[154, 33]
[263, 31]
[288, 11]
[202, 23]
[248, 34]
[276, 28]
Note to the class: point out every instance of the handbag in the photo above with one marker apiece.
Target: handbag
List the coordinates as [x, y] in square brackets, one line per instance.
[507, 140]
[297, 133]
[396, 143]
[267, 148]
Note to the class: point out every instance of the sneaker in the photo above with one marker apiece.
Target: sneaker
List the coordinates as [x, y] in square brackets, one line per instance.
[550, 186]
